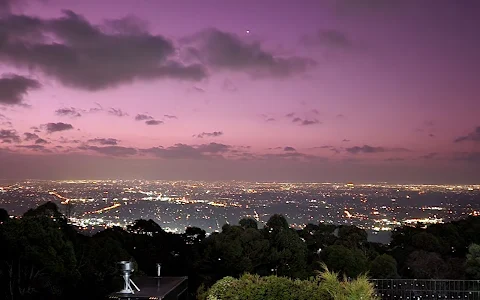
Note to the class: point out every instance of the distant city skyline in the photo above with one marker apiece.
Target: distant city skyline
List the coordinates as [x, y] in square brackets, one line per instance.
[326, 91]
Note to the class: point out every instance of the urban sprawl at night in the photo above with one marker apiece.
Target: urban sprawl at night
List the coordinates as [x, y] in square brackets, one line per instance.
[95, 204]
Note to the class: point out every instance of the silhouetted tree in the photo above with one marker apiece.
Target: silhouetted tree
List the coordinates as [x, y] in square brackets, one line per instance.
[473, 261]
[352, 236]
[277, 222]
[3, 215]
[194, 235]
[288, 253]
[142, 226]
[37, 260]
[349, 261]
[48, 209]
[426, 265]
[383, 266]
[248, 223]
[426, 241]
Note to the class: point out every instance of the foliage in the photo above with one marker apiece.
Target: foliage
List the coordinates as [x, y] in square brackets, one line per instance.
[37, 259]
[48, 209]
[352, 236]
[473, 261]
[43, 257]
[287, 253]
[426, 265]
[277, 222]
[383, 266]
[358, 288]
[248, 223]
[3, 215]
[145, 227]
[254, 287]
[349, 261]
[324, 286]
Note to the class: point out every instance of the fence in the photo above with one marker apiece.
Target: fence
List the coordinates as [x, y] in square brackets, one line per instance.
[415, 289]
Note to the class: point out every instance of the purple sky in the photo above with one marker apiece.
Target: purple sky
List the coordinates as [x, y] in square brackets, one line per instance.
[322, 90]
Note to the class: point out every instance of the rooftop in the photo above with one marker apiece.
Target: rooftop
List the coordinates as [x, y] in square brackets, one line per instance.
[156, 288]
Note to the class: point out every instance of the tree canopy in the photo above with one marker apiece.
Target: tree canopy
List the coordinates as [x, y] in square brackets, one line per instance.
[43, 257]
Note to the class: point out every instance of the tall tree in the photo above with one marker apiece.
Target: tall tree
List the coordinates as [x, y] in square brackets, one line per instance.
[3, 215]
[349, 261]
[37, 259]
[473, 261]
[383, 266]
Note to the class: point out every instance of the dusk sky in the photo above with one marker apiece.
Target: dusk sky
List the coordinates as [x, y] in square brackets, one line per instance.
[271, 90]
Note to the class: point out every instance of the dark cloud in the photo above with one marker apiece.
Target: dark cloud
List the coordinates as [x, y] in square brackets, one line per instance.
[345, 140]
[111, 150]
[64, 140]
[6, 6]
[87, 56]
[267, 118]
[142, 117]
[472, 136]
[340, 116]
[209, 134]
[117, 112]
[429, 155]
[170, 117]
[328, 38]
[37, 148]
[331, 148]
[306, 122]
[427, 127]
[365, 149]
[371, 149]
[9, 136]
[289, 149]
[429, 123]
[471, 157]
[31, 146]
[68, 111]
[153, 122]
[30, 136]
[393, 159]
[183, 151]
[95, 109]
[229, 86]
[103, 141]
[228, 51]
[197, 89]
[290, 115]
[40, 141]
[213, 148]
[310, 122]
[128, 24]
[288, 155]
[55, 127]
[14, 88]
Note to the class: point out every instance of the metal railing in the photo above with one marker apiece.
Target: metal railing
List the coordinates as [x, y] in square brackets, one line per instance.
[433, 289]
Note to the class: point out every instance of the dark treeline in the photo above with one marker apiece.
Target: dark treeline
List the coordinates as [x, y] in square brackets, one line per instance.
[42, 257]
